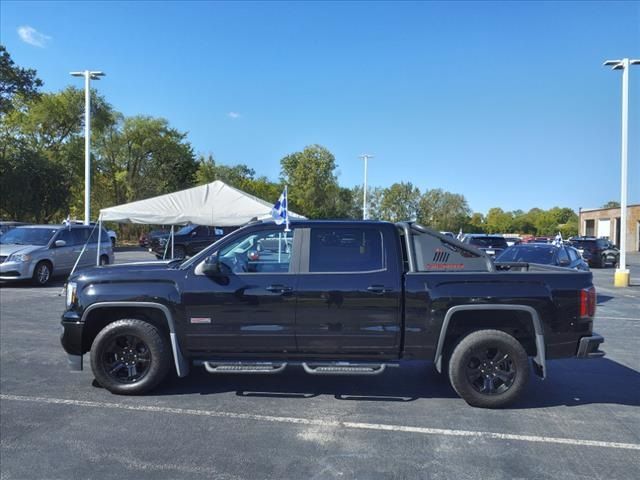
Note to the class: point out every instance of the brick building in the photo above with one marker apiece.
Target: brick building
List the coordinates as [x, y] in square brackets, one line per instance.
[605, 222]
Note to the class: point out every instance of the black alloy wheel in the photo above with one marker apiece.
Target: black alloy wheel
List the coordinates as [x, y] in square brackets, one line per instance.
[126, 359]
[130, 356]
[489, 369]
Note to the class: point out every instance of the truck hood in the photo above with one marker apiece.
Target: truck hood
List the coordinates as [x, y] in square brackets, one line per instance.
[137, 270]
[9, 248]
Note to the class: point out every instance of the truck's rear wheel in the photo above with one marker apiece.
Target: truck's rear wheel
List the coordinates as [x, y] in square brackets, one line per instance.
[489, 369]
[130, 357]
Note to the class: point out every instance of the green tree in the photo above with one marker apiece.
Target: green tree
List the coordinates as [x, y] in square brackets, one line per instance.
[400, 202]
[34, 189]
[443, 210]
[313, 186]
[611, 204]
[476, 223]
[374, 201]
[15, 82]
[238, 176]
[142, 156]
[498, 221]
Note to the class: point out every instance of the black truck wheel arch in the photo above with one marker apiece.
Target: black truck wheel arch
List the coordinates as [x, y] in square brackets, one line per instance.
[182, 366]
[539, 359]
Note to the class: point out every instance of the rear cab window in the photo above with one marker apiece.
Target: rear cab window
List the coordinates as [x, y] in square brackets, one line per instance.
[344, 249]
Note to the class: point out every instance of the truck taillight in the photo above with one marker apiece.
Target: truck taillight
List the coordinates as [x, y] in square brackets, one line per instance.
[587, 302]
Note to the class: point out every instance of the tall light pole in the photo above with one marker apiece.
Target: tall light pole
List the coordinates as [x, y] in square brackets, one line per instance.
[621, 278]
[88, 76]
[365, 213]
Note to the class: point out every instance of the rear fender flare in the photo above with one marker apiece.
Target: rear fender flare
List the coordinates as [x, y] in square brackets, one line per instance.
[182, 366]
[539, 359]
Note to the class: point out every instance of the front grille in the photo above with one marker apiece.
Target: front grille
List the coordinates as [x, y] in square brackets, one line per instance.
[3, 258]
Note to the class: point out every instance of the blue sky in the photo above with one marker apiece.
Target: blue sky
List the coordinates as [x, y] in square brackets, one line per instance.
[506, 103]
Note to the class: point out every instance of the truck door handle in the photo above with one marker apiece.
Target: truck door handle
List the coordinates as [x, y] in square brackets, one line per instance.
[378, 289]
[282, 289]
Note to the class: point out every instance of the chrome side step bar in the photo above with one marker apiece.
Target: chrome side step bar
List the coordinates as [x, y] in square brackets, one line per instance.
[267, 368]
[312, 368]
[344, 368]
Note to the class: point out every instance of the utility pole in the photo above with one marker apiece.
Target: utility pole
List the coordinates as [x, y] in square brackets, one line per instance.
[365, 212]
[621, 278]
[88, 76]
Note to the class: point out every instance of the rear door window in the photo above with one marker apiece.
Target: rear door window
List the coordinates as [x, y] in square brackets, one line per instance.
[104, 237]
[346, 250]
[80, 235]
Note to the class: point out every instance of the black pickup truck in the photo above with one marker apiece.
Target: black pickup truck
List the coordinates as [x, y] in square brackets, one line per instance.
[337, 298]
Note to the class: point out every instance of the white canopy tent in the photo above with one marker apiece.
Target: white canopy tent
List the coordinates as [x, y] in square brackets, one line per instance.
[215, 204]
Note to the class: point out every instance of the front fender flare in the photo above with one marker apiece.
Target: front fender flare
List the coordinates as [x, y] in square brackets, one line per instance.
[182, 366]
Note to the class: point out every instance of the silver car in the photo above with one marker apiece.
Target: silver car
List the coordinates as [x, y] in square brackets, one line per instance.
[38, 252]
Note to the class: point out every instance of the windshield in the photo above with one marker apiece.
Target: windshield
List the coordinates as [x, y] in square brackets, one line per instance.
[186, 230]
[28, 236]
[488, 242]
[529, 254]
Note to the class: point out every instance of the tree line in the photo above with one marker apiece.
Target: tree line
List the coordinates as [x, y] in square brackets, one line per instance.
[136, 157]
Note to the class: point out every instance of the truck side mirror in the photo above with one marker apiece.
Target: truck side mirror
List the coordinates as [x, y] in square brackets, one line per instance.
[211, 266]
[60, 243]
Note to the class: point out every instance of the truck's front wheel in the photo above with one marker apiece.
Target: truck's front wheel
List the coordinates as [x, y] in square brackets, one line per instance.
[489, 369]
[130, 357]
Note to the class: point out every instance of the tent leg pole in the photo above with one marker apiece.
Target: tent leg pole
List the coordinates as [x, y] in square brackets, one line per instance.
[171, 242]
[99, 240]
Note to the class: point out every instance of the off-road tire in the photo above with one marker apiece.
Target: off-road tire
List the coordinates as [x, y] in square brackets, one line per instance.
[465, 355]
[156, 348]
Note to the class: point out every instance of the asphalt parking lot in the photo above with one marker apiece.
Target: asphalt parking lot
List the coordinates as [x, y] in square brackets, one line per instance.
[581, 422]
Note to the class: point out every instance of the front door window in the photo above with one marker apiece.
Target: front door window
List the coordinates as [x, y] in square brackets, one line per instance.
[259, 252]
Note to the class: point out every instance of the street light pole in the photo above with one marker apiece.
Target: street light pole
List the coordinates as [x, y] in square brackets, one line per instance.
[88, 76]
[365, 213]
[621, 278]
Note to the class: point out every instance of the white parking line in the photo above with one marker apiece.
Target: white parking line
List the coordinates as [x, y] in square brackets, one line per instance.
[616, 318]
[325, 423]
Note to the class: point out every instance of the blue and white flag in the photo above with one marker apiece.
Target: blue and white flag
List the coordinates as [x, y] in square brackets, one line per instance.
[558, 240]
[279, 210]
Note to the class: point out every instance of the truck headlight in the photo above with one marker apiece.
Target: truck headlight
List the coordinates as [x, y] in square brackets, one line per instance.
[19, 257]
[72, 294]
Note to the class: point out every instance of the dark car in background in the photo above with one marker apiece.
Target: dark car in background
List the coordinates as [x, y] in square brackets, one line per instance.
[5, 226]
[542, 240]
[543, 254]
[598, 252]
[492, 245]
[146, 239]
[187, 241]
